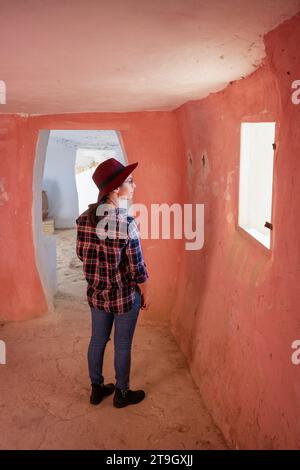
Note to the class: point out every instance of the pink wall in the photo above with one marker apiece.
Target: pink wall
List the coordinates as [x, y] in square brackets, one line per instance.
[20, 287]
[237, 309]
[151, 138]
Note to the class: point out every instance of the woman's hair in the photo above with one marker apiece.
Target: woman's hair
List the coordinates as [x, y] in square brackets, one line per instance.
[92, 210]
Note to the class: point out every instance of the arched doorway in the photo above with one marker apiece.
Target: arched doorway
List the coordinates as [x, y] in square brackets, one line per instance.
[64, 163]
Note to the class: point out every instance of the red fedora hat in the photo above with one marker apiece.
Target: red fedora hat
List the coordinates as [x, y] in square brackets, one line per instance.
[110, 174]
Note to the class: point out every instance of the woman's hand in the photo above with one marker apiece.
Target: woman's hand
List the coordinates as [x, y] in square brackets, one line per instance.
[145, 300]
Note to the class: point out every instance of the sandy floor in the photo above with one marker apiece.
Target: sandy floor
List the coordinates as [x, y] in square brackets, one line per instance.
[44, 386]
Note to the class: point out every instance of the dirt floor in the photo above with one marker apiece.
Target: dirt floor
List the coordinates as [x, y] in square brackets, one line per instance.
[44, 387]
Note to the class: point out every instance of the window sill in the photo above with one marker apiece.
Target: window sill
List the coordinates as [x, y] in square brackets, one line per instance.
[248, 234]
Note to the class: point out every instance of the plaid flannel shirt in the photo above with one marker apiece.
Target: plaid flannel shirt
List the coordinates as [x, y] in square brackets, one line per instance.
[113, 265]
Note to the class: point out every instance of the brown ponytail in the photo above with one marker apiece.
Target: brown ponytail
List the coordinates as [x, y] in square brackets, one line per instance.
[92, 210]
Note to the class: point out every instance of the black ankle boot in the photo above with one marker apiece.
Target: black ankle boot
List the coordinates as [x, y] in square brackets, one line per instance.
[99, 392]
[127, 397]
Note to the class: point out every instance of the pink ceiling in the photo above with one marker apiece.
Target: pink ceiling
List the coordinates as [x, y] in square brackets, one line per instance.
[128, 55]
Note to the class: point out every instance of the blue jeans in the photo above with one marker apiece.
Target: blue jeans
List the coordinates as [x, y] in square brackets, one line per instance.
[102, 323]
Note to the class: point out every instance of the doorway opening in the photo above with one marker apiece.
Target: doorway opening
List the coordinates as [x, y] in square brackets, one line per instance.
[62, 189]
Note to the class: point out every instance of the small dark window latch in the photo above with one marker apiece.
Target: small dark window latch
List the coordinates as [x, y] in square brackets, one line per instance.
[268, 225]
[274, 146]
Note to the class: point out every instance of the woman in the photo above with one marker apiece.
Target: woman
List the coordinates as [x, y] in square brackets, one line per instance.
[117, 276]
